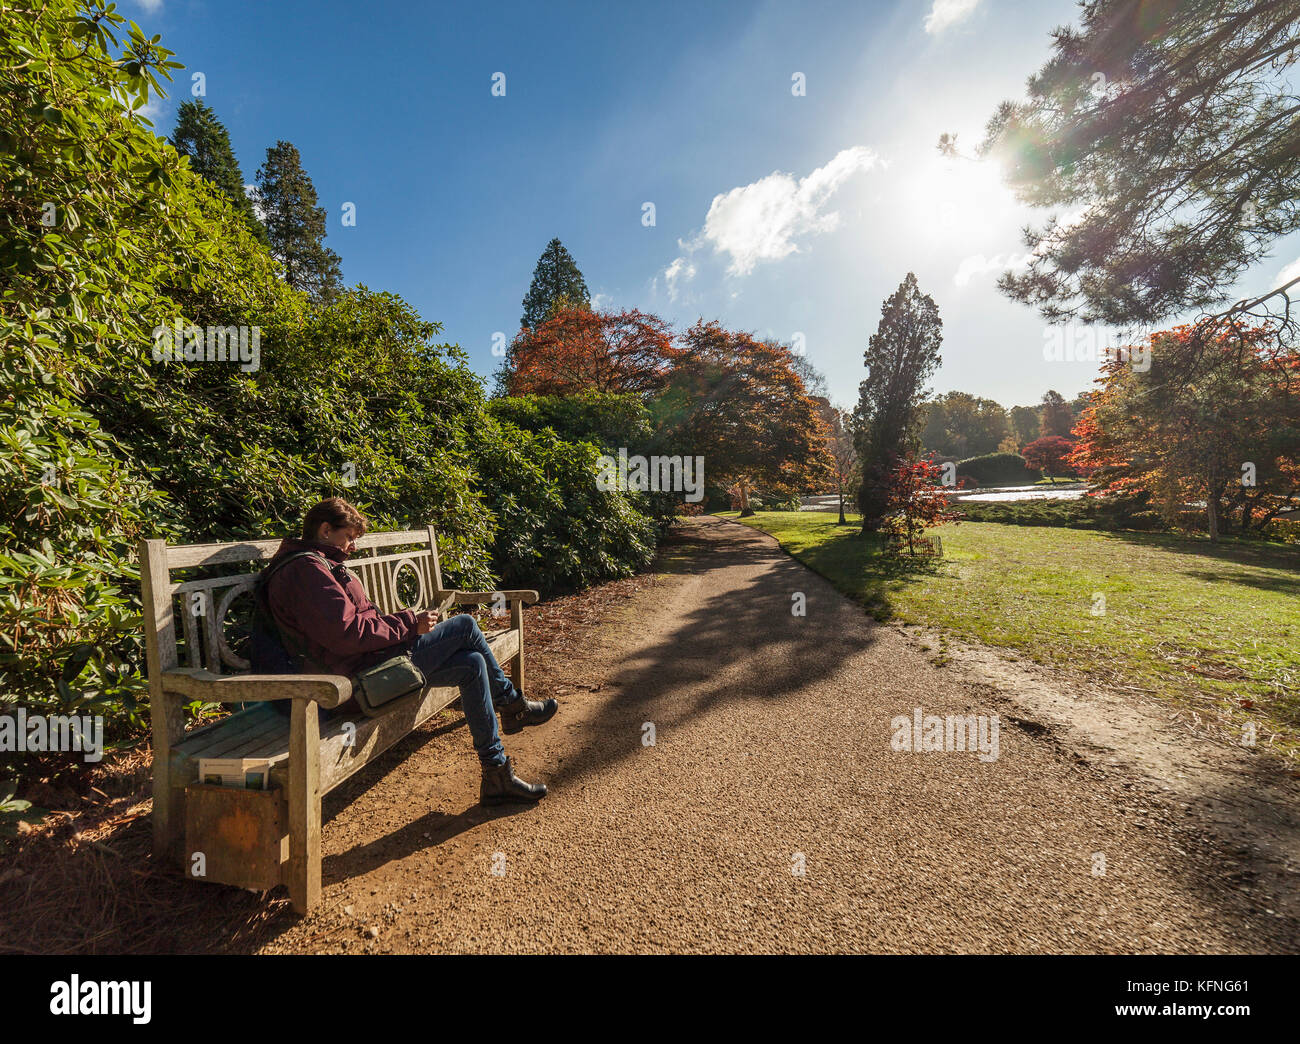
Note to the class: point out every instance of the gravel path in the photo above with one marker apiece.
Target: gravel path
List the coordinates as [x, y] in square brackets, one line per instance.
[770, 813]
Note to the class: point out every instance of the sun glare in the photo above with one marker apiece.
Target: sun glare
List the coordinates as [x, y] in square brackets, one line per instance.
[960, 201]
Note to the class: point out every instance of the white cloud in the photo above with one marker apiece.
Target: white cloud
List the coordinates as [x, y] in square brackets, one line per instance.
[681, 270]
[763, 220]
[978, 264]
[1292, 271]
[152, 111]
[948, 12]
[259, 211]
[151, 5]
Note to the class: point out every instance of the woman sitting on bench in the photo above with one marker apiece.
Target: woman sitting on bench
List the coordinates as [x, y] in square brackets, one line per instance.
[323, 610]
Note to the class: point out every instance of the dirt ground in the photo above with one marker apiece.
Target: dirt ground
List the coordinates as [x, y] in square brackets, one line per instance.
[722, 780]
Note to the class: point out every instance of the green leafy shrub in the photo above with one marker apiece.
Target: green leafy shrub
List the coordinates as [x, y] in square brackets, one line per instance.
[105, 443]
[998, 469]
[1111, 513]
[1108, 513]
[609, 420]
[558, 529]
[95, 213]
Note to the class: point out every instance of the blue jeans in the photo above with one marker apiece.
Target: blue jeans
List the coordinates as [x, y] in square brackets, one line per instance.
[456, 653]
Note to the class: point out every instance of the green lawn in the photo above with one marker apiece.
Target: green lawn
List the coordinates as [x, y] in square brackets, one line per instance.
[1214, 629]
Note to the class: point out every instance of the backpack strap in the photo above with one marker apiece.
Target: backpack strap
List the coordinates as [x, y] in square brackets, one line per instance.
[265, 575]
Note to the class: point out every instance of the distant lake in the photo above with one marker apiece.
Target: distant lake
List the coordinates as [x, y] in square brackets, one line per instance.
[1000, 494]
[1063, 491]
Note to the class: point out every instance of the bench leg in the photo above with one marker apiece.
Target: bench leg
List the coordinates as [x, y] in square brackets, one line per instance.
[304, 806]
[517, 664]
[168, 802]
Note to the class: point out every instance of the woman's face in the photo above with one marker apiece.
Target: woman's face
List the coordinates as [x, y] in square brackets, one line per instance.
[342, 537]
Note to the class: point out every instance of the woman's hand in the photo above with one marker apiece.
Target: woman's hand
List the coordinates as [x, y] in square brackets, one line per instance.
[424, 622]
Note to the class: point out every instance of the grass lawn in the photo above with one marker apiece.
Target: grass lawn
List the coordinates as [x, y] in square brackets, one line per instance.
[1213, 628]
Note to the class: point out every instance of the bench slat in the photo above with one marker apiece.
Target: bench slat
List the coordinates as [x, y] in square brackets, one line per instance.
[339, 759]
[258, 734]
[215, 740]
[267, 746]
[504, 644]
[183, 556]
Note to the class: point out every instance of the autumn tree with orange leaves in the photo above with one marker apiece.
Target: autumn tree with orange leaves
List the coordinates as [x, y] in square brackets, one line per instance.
[1214, 420]
[578, 350]
[740, 403]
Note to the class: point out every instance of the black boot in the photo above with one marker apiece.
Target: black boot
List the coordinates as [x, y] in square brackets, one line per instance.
[500, 784]
[514, 716]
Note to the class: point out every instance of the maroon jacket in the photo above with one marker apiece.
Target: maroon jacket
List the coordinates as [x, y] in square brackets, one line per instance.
[322, 610]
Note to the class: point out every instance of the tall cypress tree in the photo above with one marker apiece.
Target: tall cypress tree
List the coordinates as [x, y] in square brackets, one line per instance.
[901, 356]
[203, 138]
[556, 282]
[295, 225]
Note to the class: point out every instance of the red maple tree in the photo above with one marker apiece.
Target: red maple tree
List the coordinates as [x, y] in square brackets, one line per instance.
[916, 501]
[1050, 455]
[741, 403]
[1213, 422]
[578, 350]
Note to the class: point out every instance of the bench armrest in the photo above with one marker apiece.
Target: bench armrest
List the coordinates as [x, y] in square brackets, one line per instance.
[329, 690]
[477, 597]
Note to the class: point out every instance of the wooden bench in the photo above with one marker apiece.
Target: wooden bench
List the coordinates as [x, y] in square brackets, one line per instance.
[259, 839]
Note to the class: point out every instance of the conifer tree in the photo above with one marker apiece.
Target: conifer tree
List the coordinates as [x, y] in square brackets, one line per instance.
[204, 139]
[557, 283]
[295, 225]
[901, 356]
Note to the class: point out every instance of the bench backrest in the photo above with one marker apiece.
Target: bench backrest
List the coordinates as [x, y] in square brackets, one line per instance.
[187, 618]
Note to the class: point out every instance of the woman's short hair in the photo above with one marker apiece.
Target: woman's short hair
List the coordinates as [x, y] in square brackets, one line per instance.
[337, 512]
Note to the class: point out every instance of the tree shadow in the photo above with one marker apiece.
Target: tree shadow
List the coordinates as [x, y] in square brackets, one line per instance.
[430, 830]
[859, 566]
[743, 644]
[1280, 584]
[1281, 560]
[1261, 554]
[1259, 834]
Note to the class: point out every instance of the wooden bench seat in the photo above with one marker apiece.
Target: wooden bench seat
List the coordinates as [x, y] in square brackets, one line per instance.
[187, 619]
[348, 742]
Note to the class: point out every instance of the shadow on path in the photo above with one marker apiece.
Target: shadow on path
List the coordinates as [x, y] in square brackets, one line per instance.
[748, 622]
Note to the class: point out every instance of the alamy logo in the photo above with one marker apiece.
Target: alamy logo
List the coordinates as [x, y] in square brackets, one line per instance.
[926, 733]
[21, 733]
[101, 998]
[1076, 343]
[654, 474]
[177, 343]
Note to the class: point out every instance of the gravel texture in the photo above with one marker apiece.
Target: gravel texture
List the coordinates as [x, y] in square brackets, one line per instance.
[771, 813]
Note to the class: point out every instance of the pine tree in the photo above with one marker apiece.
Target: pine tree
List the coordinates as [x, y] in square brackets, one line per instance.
[1163, 140]
[557, 283]
[203, 138]
[295, 225]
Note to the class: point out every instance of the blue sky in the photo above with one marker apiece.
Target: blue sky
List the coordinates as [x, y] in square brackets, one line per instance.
[787, 215]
